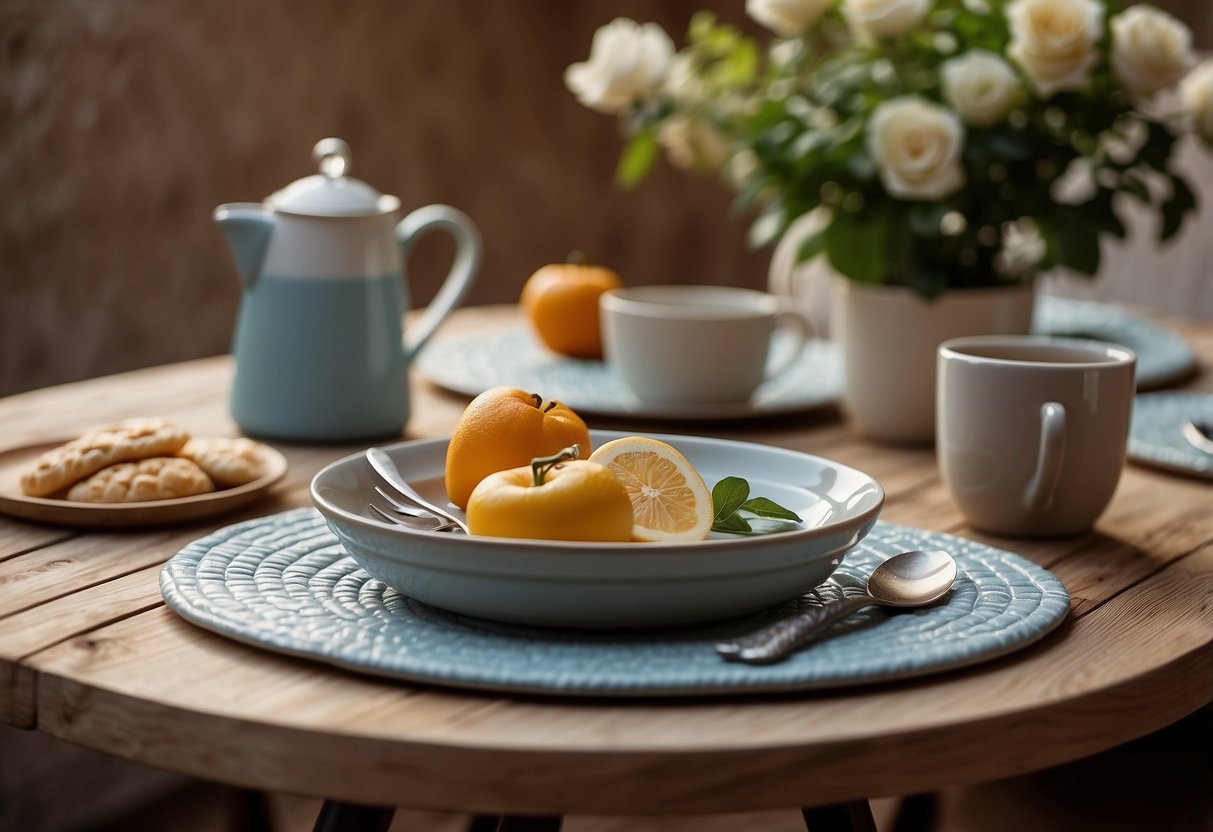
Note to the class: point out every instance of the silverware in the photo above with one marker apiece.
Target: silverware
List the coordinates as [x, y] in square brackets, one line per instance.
[1199, 435]
[418, 525]
[909, 579]
[385, 468]
[413, 517]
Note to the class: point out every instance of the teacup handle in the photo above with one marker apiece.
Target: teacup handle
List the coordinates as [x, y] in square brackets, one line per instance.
[458, 280]
[1039, 494]
[787, 319]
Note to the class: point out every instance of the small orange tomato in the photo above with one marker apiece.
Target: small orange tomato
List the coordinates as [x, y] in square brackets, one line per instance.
[561, 301]
[505, 427]
[552, 499]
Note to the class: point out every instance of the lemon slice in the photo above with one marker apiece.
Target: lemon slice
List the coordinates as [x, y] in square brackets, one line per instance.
[670, 501]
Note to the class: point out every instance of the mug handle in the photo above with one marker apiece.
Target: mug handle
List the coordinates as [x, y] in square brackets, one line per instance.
[1039, 493]
[788, 319]
[463, 269]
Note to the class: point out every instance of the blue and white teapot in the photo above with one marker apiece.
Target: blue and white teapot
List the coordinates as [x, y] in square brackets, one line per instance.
[319, 344]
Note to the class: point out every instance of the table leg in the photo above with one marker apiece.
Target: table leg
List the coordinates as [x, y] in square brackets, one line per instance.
[855, 816]
[352, 817]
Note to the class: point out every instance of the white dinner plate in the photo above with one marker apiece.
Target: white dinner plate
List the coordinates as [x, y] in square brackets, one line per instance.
[609, 585]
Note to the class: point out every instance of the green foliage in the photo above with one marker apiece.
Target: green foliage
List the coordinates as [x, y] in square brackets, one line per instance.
[734, 510]
[800, 115]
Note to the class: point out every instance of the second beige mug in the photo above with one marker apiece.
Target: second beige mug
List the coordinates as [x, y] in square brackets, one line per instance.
[1031, 432]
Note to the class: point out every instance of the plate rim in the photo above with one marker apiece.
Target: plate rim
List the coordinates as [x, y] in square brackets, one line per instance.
[866, 517]
[142, 513]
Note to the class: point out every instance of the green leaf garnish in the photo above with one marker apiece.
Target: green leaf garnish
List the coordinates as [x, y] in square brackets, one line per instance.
[728, 495]
[770, 509]
[730, 503]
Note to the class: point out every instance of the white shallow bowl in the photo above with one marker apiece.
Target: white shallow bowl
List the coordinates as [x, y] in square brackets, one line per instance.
[609, 585]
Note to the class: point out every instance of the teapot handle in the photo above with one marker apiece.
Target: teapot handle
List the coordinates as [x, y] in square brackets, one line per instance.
[458, 280]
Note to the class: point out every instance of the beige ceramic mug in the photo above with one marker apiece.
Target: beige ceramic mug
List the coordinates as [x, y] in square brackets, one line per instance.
[1032, 431]
[689, 344]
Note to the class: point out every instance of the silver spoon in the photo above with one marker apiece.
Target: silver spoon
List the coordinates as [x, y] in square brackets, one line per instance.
[1199, 435]
[384, 467]
[910, 579]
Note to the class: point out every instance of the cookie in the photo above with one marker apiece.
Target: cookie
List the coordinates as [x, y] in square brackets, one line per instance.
[229, 462]
[130, 440]
[157, 478]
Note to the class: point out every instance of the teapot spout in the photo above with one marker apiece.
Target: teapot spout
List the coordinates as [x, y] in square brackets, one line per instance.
[249, 227]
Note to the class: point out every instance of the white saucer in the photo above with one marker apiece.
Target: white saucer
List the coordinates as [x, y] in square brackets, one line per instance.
[470, 364]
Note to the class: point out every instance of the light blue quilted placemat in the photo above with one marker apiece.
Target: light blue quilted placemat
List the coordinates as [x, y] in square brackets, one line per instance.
[1162, 357]
[1156, 432]
[284, 582]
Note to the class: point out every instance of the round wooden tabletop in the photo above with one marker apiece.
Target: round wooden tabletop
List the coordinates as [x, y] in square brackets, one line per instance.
[90, 654]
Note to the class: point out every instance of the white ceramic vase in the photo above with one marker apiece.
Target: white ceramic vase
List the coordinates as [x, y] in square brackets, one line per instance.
[889, 335]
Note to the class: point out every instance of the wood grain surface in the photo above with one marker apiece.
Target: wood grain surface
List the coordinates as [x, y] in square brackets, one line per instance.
[89, 653]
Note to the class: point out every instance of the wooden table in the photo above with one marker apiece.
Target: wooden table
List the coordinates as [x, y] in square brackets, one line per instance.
[90, 654]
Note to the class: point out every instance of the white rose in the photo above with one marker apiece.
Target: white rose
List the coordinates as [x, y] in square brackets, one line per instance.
[627, 61]
[916, 145]
[1150, 49]
[981, 86]
[1055, 42]
[884, 18]
[692, 143]
[787, 18]
[1022, 248]
[1196, 93]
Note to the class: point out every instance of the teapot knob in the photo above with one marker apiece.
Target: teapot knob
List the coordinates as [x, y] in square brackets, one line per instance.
[333, 156]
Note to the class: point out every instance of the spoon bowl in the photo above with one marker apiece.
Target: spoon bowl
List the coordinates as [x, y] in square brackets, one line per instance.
[1199, 435]
[910, 579]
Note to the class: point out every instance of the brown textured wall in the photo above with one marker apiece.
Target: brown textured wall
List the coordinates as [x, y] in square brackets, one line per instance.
[123, 123]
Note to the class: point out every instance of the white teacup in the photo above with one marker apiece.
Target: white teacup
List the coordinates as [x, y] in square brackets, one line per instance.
[1031, 431]
[696, 344]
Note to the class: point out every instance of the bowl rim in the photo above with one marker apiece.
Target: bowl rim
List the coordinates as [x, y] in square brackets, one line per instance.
[629, 548]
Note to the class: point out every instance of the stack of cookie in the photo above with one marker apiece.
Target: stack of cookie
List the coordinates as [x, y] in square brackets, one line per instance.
[139, 460]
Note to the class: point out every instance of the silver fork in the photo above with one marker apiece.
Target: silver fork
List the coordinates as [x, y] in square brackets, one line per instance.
[390, 516]
[414, 513]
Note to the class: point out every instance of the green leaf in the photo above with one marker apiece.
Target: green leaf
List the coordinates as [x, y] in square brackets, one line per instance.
[1176, 207]
[925, 218]
[637, 160]
[733, 524]
[1132, 184]
[768, 508]
[813, 245]
[767, 228]
[1160, 141]
[1077, 244]
[856, 246]
[728, 495]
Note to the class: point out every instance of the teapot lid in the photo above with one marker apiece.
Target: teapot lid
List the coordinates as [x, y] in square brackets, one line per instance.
[331, 193]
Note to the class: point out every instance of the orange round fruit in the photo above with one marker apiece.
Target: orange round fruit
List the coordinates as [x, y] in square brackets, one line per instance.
[561, 301]
[575, 500]
[505, 427]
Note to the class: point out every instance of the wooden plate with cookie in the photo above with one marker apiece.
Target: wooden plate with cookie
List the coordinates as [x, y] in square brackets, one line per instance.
[139, 472]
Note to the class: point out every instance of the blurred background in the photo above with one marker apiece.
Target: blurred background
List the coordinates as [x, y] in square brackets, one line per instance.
[125, 124]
